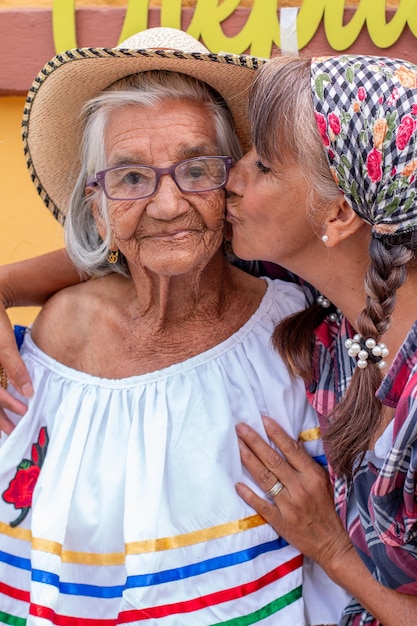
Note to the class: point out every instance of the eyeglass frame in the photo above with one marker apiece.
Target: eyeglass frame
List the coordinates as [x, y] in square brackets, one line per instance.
[98, 178]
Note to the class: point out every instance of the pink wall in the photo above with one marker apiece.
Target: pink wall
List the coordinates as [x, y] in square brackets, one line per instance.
[26, 38]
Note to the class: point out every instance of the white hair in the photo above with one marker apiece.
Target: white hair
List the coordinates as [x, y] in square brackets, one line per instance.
[85, 246]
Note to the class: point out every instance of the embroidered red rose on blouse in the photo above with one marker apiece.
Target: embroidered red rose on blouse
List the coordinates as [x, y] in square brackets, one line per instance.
[21, 487]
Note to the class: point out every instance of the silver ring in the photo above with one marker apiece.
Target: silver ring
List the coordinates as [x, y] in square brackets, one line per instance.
[275, 489]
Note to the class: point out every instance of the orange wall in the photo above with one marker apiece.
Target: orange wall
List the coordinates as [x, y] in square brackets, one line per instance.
[26, 226]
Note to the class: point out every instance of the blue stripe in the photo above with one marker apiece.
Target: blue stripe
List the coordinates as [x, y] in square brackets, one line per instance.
[147, 580]
[77, 589]
[16, 561]
[321, 460]
[220, 562]
[19, 333]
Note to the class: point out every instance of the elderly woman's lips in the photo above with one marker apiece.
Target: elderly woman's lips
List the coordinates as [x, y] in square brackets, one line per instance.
[178, 234]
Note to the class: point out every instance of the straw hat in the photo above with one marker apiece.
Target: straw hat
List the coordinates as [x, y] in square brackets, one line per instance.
[51, 121]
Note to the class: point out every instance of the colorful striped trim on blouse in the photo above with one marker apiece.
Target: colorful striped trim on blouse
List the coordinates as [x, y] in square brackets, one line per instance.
[145, 580]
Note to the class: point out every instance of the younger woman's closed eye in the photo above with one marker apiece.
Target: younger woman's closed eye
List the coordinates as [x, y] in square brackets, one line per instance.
[263, 168]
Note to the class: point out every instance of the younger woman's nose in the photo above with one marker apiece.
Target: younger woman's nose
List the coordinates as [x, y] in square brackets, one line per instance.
[236, 182]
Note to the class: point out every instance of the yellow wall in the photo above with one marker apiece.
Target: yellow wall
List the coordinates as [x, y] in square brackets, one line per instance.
[26, 227]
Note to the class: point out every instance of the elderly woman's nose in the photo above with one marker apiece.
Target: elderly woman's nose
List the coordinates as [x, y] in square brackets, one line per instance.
[168, 201]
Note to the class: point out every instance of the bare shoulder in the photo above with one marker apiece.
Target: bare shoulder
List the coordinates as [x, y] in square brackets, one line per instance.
[69, 318]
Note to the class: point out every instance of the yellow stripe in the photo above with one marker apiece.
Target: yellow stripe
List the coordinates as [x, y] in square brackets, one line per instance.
[17, 533]
[310, 435]
[81, 558]
[197, 536]
[135, 547]
[53, 547]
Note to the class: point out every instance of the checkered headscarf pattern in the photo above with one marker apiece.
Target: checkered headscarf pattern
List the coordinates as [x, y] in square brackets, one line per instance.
[366, 113]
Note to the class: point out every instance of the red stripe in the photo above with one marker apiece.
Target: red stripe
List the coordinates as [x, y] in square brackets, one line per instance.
[213, 598]
[65, 620]
[12, 592]
[171, 609]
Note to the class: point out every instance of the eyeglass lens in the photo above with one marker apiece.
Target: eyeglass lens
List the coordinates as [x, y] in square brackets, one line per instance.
[138, 181]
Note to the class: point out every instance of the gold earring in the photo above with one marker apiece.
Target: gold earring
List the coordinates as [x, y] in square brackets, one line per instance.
[113, 256]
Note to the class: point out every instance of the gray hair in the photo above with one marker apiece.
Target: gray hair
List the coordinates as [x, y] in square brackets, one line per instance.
[281, 118]
[86, 248]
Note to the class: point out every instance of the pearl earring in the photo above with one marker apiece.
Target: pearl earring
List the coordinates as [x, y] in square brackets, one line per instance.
[325, 238]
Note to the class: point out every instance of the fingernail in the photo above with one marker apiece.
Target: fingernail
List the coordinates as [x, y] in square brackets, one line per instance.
[27, 390]
[242, 428]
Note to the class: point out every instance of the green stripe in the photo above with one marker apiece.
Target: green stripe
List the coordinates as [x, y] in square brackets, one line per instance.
[5, 618]
[245, 620]
[266, 611]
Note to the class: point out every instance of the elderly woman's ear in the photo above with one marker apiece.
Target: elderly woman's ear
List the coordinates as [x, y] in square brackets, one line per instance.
[91, 197]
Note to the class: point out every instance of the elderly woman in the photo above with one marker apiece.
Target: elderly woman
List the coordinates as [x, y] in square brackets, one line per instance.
[118, 501]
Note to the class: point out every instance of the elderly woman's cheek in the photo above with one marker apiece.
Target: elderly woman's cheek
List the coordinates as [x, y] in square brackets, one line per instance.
[125, 218]
[213, 217]
[213, 212]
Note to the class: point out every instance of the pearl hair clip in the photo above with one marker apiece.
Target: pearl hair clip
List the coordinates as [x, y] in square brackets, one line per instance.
[334, 313]
[367, 350]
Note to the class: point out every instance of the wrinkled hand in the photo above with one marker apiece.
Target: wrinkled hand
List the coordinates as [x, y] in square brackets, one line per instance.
[16, 372]
[303, 511]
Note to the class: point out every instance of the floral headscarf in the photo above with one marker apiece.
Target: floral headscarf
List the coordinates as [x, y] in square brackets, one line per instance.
[366, 112]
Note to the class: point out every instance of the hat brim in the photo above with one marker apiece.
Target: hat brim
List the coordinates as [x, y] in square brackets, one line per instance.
[52, 126]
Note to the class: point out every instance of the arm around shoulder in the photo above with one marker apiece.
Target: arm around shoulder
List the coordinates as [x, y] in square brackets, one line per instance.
[32, 281]
[26, 283]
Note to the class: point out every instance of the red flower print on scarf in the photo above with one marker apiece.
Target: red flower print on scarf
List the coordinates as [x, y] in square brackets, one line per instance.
[373, 163]
[334, 123]
[21, 487]
[361, 93]
[404, 132]
[322, 127]
[395, 94]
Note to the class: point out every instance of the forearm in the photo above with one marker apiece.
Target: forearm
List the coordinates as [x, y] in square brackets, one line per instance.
[32, 281]
[26, 283]
[390, 607]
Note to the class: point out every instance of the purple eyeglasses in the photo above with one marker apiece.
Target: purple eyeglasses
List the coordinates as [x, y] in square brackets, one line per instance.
[133, 182]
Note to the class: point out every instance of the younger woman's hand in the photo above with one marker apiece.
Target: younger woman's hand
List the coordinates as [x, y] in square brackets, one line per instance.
[13, 371]
[303, 510]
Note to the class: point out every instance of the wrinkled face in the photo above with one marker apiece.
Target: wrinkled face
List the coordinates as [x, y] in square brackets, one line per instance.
[171, 232]
[268, 210]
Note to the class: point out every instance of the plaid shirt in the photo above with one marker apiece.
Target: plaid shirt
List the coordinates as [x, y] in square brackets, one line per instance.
[379, 506]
